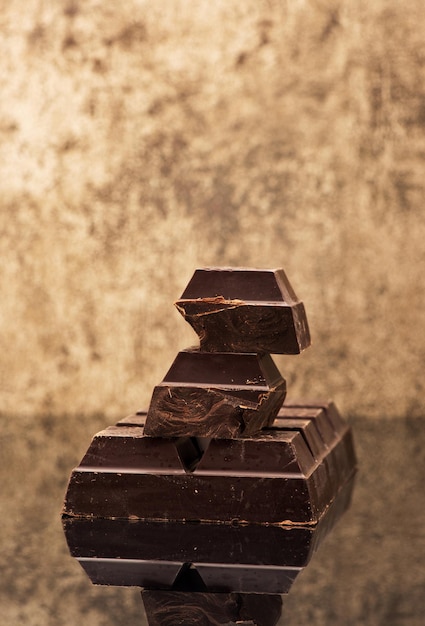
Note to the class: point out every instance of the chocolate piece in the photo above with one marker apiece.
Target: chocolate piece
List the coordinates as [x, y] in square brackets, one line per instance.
[168, 608]
[253, 579]
[127, 448]
[219, 577]
[337, 445]
[127, 475]
[169, 542]
[216, 395]
[333, 416]
[245, 310]
[217, 494]
[131, 572]
[249, 557]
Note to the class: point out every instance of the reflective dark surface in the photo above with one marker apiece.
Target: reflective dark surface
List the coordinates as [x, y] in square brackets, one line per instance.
[202, 608]
[201, 574]
[368, 570]
[250, 558]
[217, 544]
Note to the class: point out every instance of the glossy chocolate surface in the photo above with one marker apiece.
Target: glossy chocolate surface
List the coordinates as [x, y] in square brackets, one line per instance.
[203, 608]
[249, 544]
[292, 471]
[253, 557]
[245, 284]
[220, 395]
[241, 310]
[228, 370]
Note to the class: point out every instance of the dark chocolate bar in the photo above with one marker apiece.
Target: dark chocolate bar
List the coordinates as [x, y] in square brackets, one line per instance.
[338, 424]
[329, 438]
[291, 472]
[279, 484]
[216, 395]
[218, 578]
[251, 557]
[249, 544]
[192, 608]
[245, 310]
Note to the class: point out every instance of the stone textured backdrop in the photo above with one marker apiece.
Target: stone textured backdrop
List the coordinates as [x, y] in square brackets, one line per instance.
[141, 139]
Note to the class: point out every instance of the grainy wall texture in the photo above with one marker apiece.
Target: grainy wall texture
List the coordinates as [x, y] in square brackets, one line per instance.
[142, 139]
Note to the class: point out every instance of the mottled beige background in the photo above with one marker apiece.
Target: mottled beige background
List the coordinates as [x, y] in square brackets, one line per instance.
[141, 139]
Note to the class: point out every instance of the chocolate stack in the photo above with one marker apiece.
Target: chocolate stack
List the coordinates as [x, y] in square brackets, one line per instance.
[230, 387]
[216, 455]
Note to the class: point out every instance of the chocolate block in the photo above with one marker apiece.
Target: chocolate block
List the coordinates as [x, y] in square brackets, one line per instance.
[131, 572]
[279, 476]
[208, 494]
[193, 608]
[253, 557]
[337, 447]
[119, 540]
[328, 437]
[125, 448]
[216, 395]
[245, 310]
[338, 424]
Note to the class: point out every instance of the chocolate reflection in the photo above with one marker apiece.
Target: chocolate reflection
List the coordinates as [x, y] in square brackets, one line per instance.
[250, 558]
[200, 608]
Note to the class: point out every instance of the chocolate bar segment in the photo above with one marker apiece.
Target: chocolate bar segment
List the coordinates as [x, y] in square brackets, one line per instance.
[328, 437]
[168, 541]
[130, 476]
[339, 425]
[117, 447]
[141, 540]
[253, 579]
[168, 608]
[250, 557]
[111, 484]
[245, 284]
[243, 310]
[216, 395]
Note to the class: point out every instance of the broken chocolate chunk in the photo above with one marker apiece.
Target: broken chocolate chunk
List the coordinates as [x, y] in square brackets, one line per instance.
[221, 395]
[202, 607]
[195, 608]
[245, 310]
